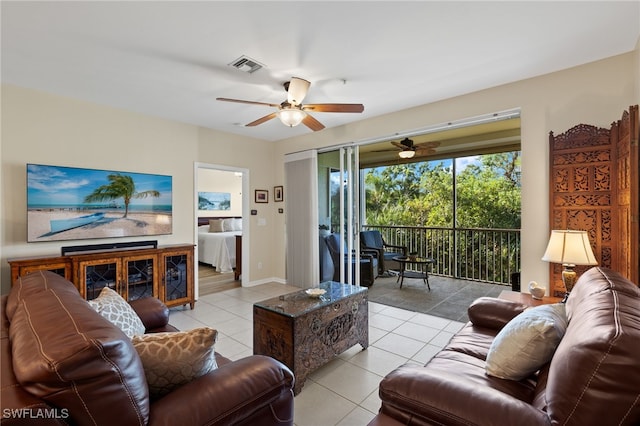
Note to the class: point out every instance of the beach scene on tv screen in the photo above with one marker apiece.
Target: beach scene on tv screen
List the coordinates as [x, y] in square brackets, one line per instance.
[69, 203]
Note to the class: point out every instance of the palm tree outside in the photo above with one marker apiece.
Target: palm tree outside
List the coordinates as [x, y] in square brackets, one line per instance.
[120, 186]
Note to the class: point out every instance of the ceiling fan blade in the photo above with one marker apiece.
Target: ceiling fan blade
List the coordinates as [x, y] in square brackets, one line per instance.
[399, 145]
[297, 90]
[425, 151]
[427, 145]
[312, 123]
[262, 119]
[333, 107]
[240, 101]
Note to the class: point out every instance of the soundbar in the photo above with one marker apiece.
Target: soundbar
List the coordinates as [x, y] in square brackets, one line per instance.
[97, 248]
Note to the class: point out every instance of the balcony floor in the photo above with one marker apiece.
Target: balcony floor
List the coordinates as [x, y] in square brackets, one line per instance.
[448, 298]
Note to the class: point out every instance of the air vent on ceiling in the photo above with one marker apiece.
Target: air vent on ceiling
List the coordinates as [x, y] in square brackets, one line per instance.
[246, 64]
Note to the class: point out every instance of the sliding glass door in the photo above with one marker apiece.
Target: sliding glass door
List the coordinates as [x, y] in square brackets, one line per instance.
[339, 210]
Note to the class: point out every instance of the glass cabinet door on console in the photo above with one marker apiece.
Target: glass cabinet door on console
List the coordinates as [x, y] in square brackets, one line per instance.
[177, 286]
[140, 277]
[94, 275]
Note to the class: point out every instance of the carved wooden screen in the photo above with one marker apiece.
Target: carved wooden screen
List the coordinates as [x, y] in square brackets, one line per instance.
[594, 187]
[580, 191]
[624, 135]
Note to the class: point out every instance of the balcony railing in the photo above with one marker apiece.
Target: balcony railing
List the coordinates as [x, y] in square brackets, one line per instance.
[486, 255]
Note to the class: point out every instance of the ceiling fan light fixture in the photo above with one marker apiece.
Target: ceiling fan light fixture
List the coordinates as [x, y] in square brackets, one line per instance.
[406, 154]
[291, 116]
[296, 89]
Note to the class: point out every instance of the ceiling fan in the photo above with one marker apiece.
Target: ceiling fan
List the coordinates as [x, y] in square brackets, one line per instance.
[408, 149]
[292, 112]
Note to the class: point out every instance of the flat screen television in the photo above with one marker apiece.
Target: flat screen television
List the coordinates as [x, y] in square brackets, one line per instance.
[69, 203]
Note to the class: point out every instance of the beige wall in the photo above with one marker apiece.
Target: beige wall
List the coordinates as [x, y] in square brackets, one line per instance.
[42, 128]
[595, 93]
[266, 246]
[47, 129]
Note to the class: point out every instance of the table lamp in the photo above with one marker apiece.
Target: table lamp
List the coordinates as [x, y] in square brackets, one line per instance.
[570, 248]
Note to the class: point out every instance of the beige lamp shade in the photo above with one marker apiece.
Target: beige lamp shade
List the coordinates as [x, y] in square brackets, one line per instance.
[569, 248]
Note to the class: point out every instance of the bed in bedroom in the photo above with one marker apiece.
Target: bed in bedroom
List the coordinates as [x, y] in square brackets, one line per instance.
[220, 243]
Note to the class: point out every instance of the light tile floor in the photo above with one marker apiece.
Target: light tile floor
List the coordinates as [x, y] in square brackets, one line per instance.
[344, 391]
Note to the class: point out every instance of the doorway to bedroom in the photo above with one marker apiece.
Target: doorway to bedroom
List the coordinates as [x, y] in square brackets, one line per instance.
[219, 207]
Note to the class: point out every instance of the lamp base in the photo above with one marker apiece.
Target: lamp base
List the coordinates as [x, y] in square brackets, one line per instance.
[568, 279]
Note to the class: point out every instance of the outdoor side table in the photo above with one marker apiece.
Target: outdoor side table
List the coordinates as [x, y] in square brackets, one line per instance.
[422, 264]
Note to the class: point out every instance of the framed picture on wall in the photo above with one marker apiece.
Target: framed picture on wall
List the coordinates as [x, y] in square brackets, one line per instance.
[278, 193]
[262, 196]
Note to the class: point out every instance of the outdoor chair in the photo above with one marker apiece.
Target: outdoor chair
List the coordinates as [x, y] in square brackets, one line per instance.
[368, 261]
[372, 240]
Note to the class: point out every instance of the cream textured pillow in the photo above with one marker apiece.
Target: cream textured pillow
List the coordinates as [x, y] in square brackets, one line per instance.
[527, 342]
[113, 307]
[173, 359]
[215, 225]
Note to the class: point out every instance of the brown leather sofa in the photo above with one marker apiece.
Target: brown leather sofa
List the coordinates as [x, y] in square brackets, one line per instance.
[78, 368]
[592, 379]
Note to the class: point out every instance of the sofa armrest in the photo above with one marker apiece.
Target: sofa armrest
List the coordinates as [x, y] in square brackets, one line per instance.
[445, 397]
[153, 313]
[256, 387]
[492, 312]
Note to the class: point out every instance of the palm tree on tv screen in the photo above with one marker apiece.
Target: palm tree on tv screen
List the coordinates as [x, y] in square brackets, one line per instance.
[119, 186]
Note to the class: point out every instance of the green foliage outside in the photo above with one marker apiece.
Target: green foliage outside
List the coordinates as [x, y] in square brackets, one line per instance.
[421, 194]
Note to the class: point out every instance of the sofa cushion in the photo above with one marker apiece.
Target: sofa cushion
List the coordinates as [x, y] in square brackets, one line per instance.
[65, 353]
[113, 307]
[527, 342]
[174, 359]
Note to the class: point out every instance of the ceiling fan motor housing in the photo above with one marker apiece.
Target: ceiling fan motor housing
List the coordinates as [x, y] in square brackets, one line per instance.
[407, 142]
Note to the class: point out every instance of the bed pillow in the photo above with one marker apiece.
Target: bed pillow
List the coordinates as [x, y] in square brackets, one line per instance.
[173, 359]
[527, 342]
[113, 307]
[227, 225]
[237, 224]
[215, 225]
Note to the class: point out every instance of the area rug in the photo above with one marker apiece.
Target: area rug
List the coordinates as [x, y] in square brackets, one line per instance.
[449, 298]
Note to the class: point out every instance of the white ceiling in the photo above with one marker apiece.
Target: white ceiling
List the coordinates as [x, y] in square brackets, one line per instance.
[170, 59]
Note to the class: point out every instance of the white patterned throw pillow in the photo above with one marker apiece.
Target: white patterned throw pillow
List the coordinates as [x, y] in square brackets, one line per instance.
[173, 359]
[113, 307]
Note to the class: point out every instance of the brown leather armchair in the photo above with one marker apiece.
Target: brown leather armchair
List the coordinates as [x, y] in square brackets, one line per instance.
[63, 363]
